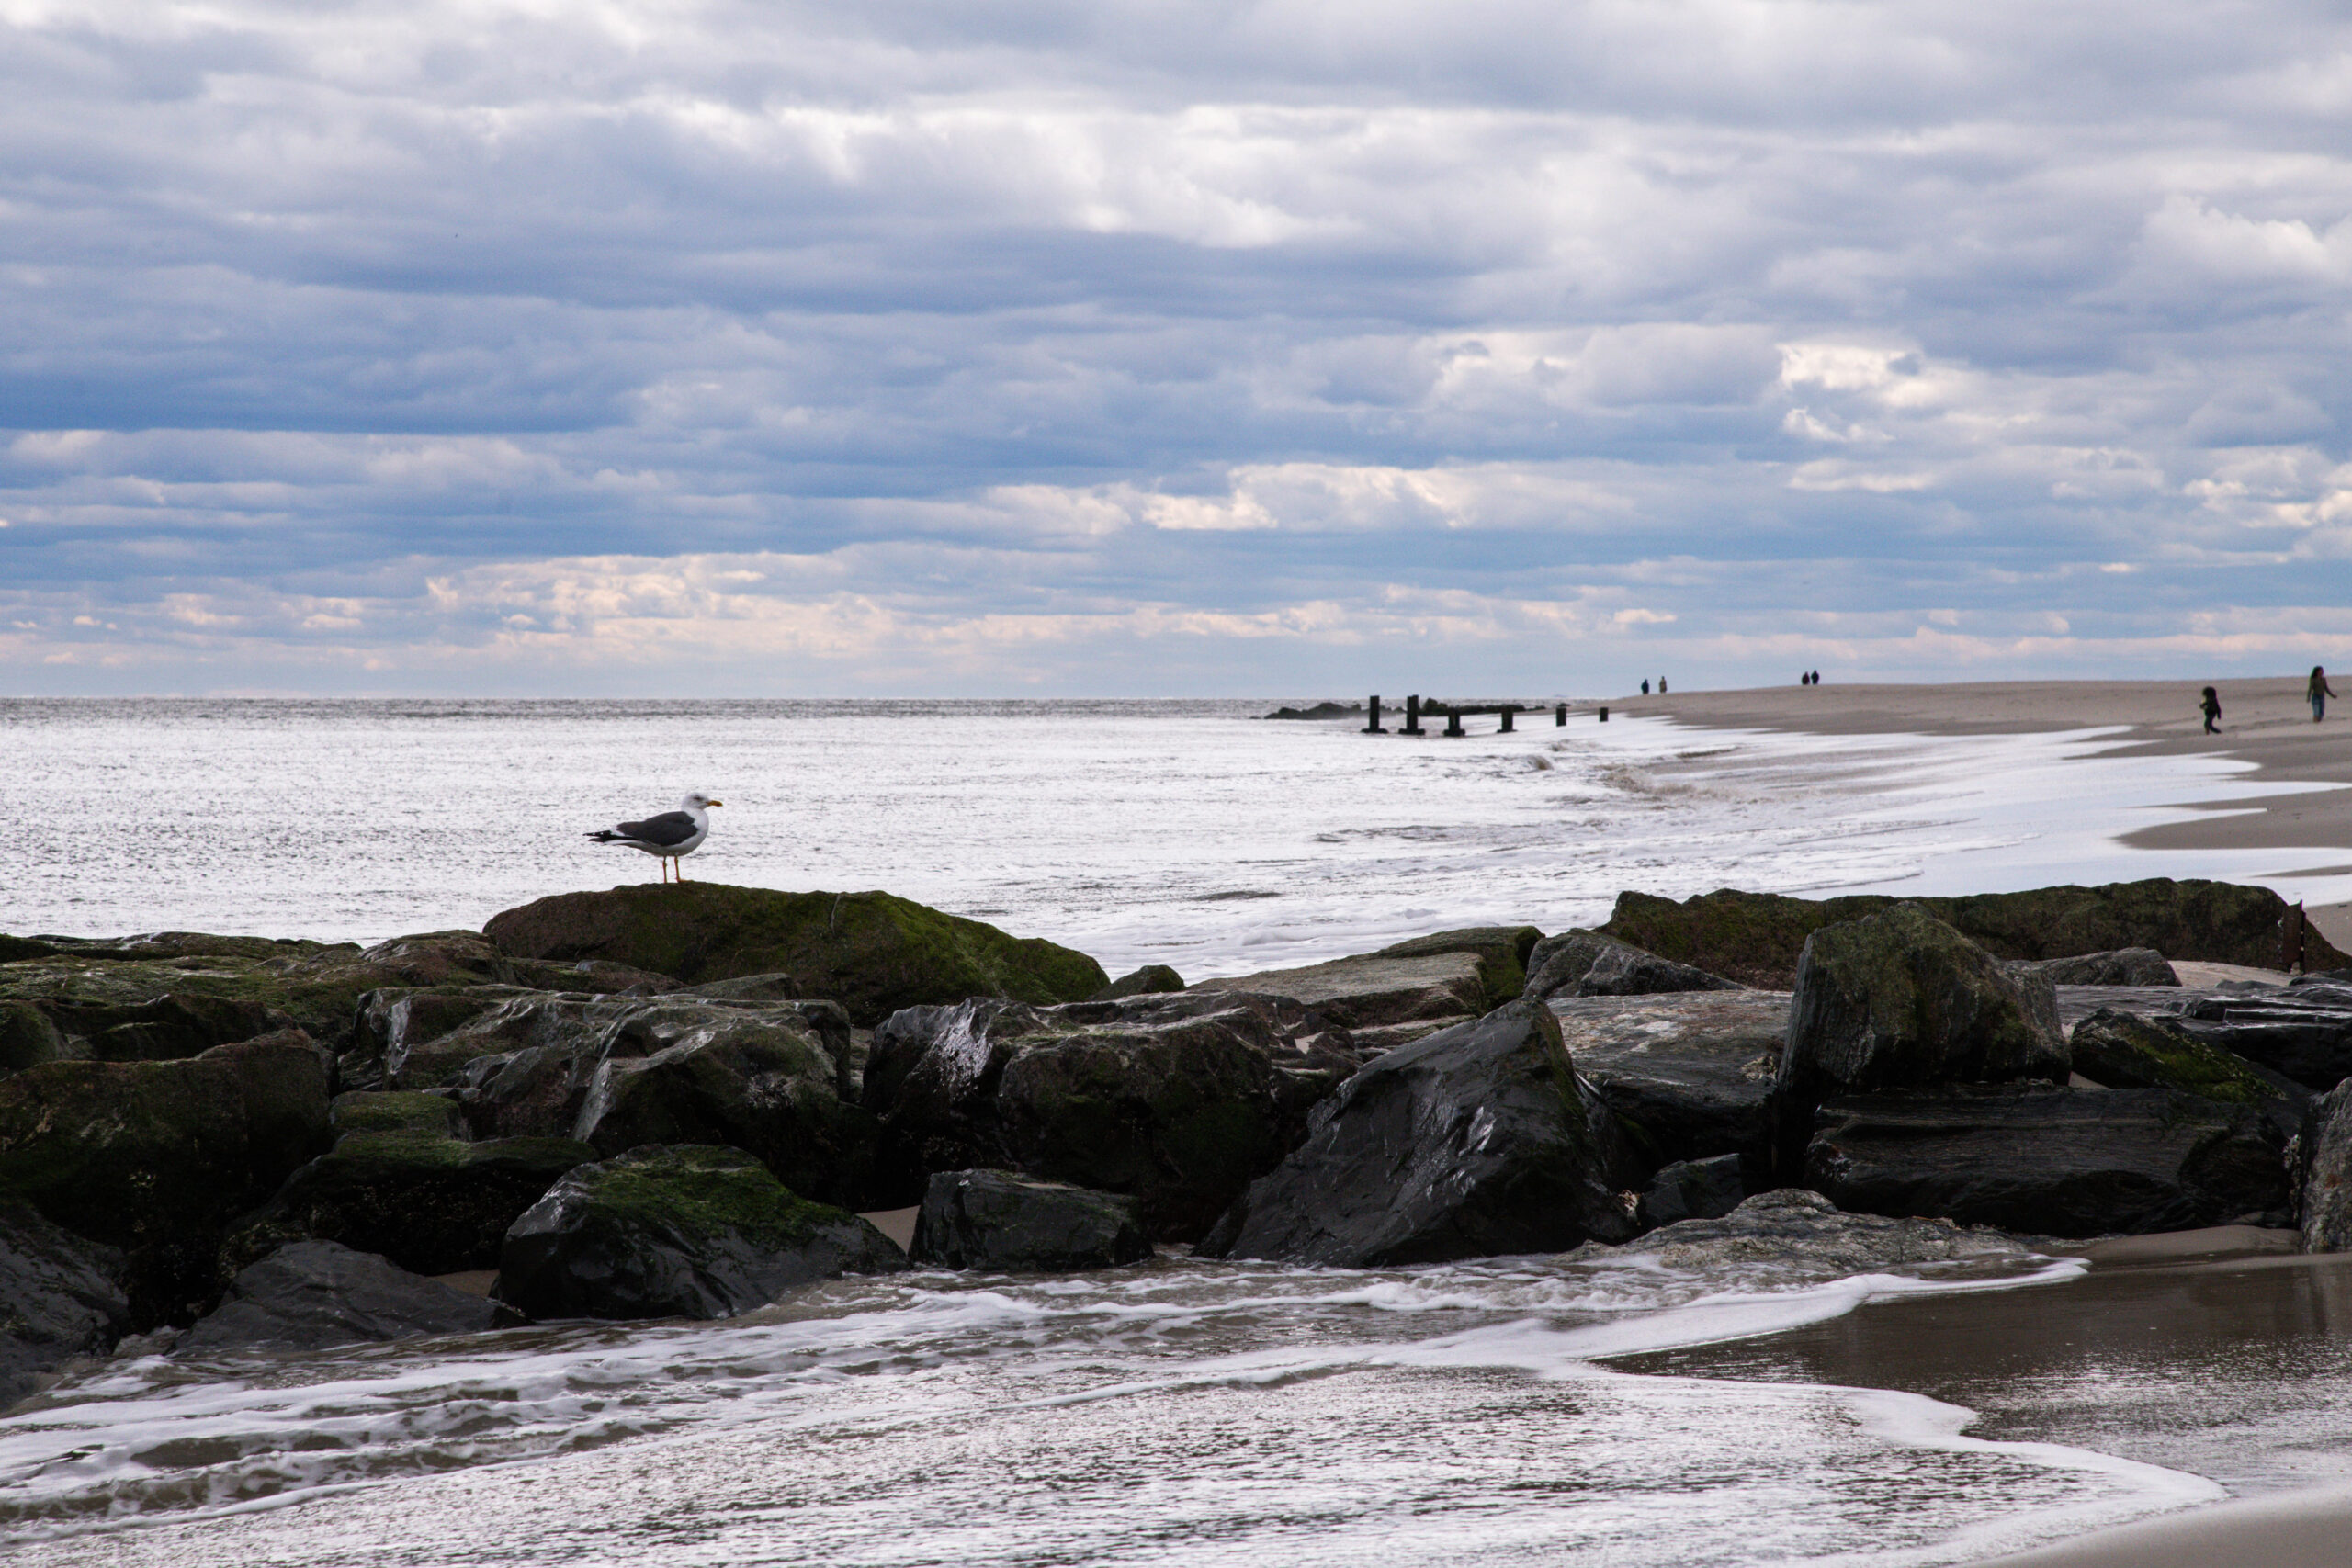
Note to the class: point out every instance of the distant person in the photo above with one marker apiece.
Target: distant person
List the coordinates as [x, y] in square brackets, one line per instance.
[1661, 685]
[1816, 677]
[2213, 709]
[1645, 688]
[2317, 689]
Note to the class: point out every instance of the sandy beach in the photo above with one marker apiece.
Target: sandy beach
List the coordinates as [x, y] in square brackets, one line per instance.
[2265, 723]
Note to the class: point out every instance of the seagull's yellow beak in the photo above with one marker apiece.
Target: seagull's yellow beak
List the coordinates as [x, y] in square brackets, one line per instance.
[718, 803]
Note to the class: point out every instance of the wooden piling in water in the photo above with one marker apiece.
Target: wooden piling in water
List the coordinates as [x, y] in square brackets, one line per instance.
[1412, 715]
[1373, 726]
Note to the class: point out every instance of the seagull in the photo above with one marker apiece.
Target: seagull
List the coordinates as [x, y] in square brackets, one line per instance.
[672, 835]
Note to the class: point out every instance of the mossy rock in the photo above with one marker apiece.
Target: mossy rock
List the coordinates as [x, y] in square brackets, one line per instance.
[1502, 953]
[2122, 1051]
[430, 1203]
[870, 952]
[366, 1111]
[1755, 938]
[681, 1231]
[156, 1157]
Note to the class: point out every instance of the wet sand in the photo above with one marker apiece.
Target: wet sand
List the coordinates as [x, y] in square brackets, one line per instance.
[2236, 1367]
[2263, 722]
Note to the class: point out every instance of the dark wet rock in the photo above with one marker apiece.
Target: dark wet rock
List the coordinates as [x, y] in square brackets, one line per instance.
[1472, 1143]
[1320, 710]
[2303, 1030]
[1756, 938]
[28, 1038]
[1688, 1075]
[1002, 1220]
[769, 988]
[1152, 980]
[1362, 993]
[61, 1296]
[2069, 1162]
[2128, 966]
[156, 1158]
[1900, 998]
[763, 1082]
[1692, 1190]
[310, 1295]
[870, 952]
[1809, 1233]
[433, 1204]
[167, 1028]
[1503, 953]
[1581, 963]
[2076, 1003]
[693, 1232]
[361, 1110]
[395, 1026]
[2120, 1050]
[2324, 1173]
[1176, 1101]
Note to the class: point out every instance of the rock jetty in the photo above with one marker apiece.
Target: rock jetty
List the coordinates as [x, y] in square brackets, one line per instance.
[666, 1101]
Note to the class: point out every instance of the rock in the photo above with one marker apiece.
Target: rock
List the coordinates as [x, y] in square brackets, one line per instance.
[2070, 1162]
[997, 1220]
[28, 1038]
[2128, 966]
[1688, 1075]
[434, 1115]
[2303, 1030]
[1176, 1101]
[1692, 1190]
[760, 1081]
[1755, 938]
[870, 952]
[1806, 1232]
[166, 1028]
[1580, 964]
[693, 1232]
[1900, 998]
[1503, 953]
[1320, 710]
[770, 987]
[61, 1296]
[1360, 993]
[2118, 1050]
[1152, 980]
[310, 1295]
[156, 1157]
[1472, 1143]
[432, 1204]
[2324, 1172]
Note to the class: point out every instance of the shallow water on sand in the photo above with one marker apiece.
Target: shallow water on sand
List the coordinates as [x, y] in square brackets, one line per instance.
[1187, 833]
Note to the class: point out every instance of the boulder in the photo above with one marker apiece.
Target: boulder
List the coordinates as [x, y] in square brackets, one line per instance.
[2128, 966]
[691, 1231]
[758, 1080]
[1688, 1075]
[61, 1296]
[2323, 1175]
[870, 952]
[2303, 1030]
[310, 1295]
[1361, 993]
[1900, 998]
[1000, 1221]
[156, 1157]
[1756, 938]
[1152, 980]
[430, 1203]
[2070, 1162]
[1692, 1190]
[28, 1038]
[1504, 954]
[1804, 1233]
[1176, 1101]
[363, 1111]
[2121, 1049]
[1472, 1143]
[1581, 963]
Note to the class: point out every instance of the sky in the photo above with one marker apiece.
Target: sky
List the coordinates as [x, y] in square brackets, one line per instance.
[1150, 349]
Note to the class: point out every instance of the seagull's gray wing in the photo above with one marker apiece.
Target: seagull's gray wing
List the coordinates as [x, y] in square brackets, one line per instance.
[669, 828]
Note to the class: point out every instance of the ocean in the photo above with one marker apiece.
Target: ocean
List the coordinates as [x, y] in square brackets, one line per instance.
[1175, 1412]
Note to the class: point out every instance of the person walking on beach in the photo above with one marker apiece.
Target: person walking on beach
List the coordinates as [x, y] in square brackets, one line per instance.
[2318, 691]
[1661, 685]
[1645, 688]
[2211, 705]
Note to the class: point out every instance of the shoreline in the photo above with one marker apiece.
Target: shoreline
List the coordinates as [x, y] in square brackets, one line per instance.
[2265, 723]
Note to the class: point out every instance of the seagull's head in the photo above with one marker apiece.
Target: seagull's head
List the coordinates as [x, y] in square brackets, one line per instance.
[698, 800]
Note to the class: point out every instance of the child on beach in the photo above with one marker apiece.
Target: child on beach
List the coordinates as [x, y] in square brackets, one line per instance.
[2212, 708]
[2318, 691]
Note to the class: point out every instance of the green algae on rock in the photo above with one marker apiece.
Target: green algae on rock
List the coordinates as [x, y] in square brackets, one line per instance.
[679, 1231]
[2119, 1050]
[873, 953]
